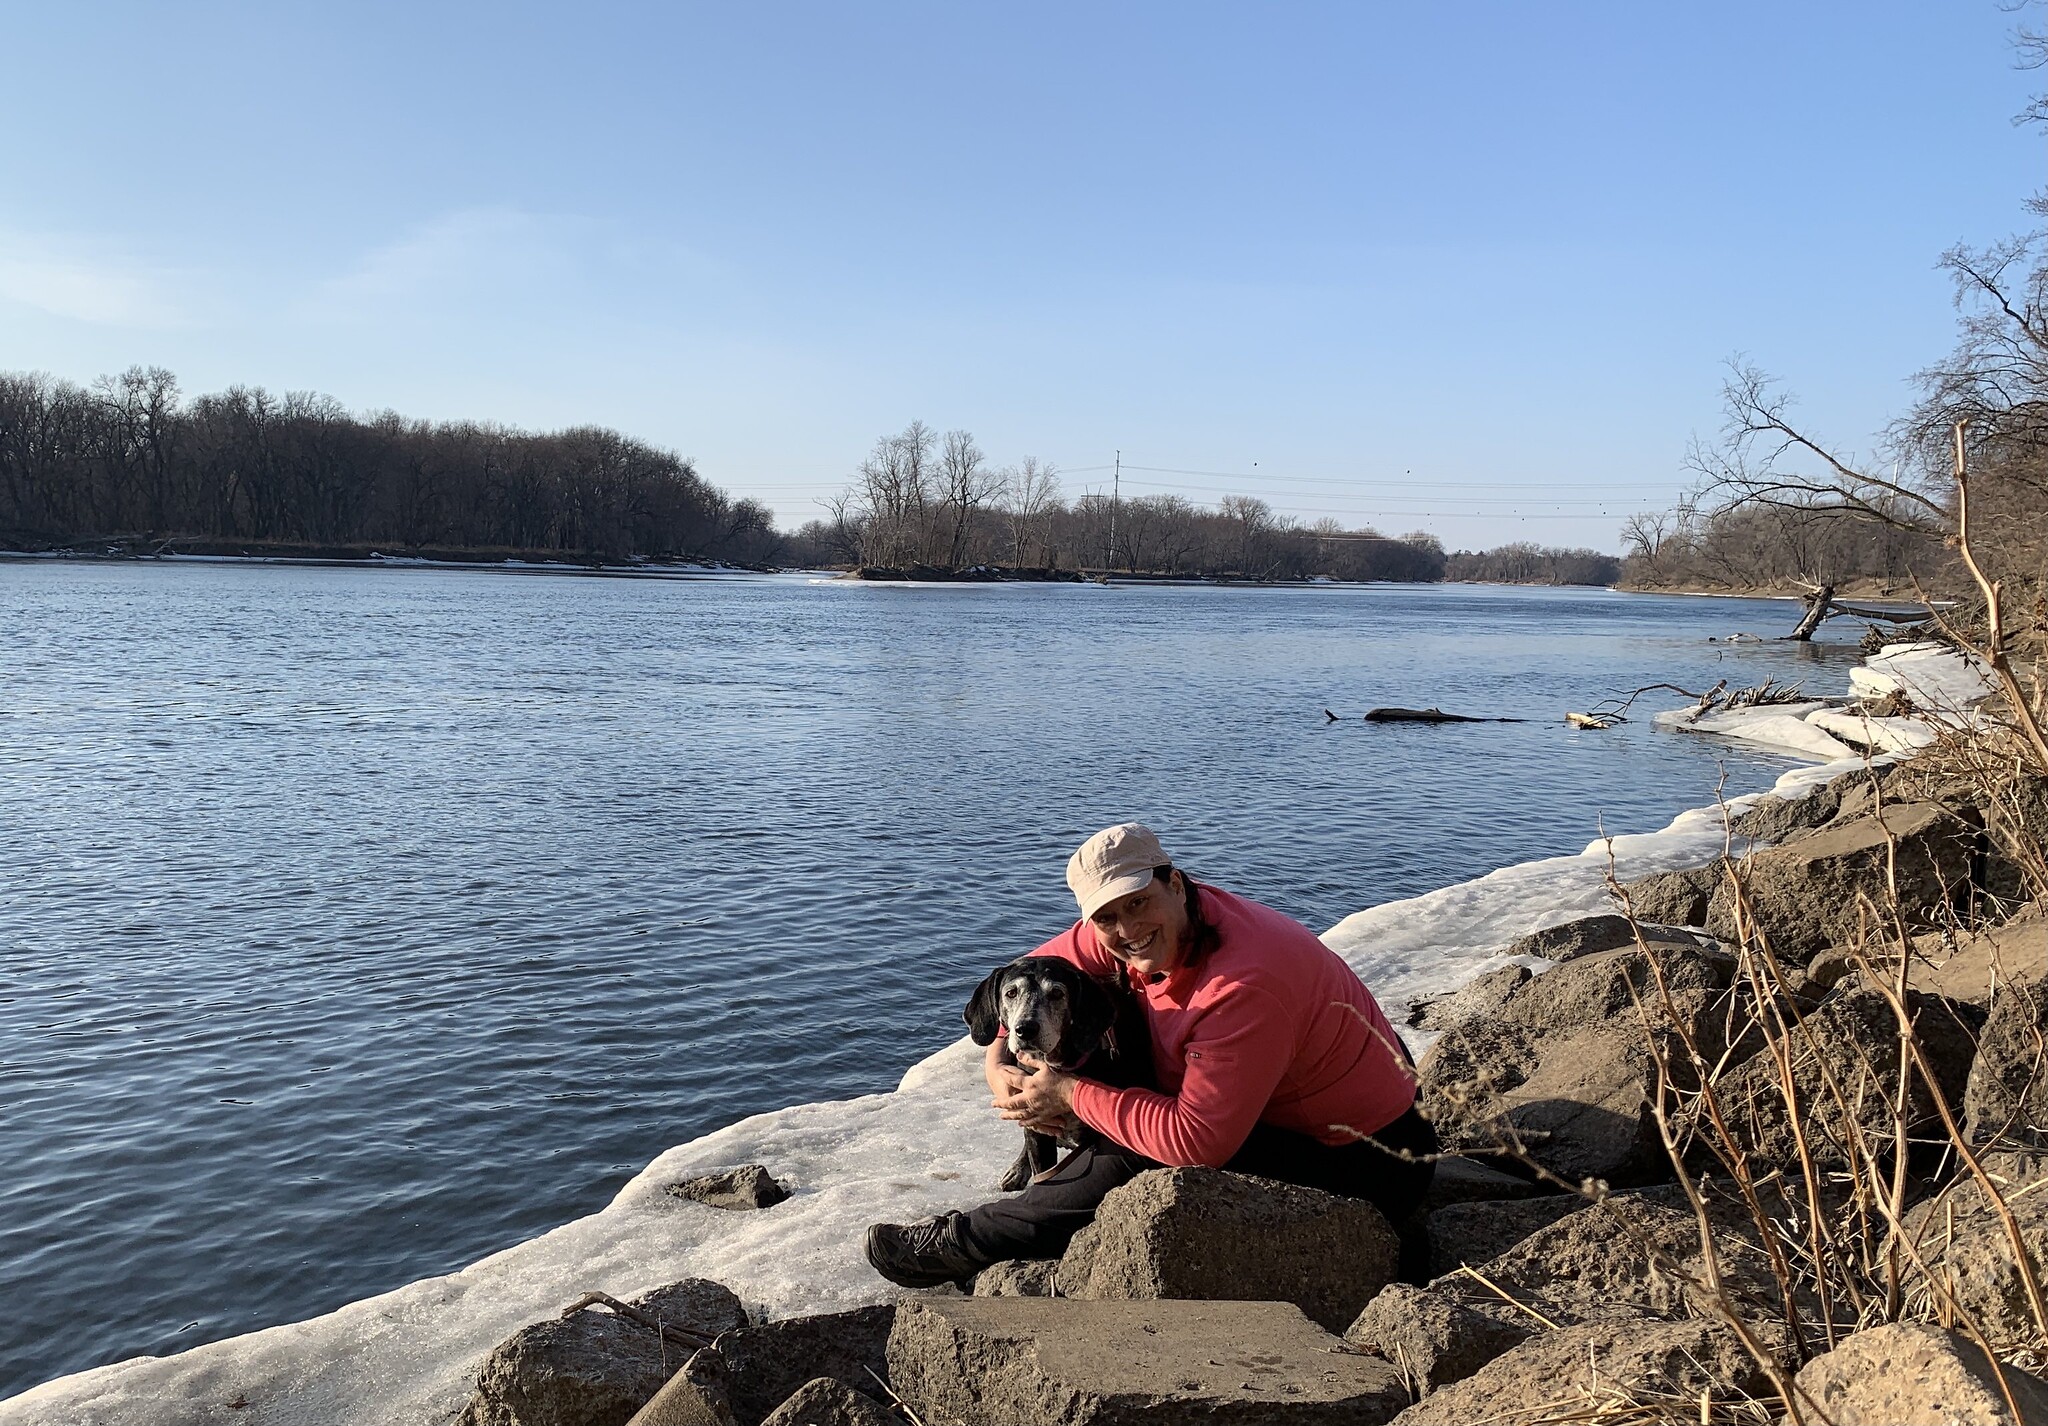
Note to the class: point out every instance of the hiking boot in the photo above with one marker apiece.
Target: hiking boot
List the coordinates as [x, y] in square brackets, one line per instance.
[922, 1254]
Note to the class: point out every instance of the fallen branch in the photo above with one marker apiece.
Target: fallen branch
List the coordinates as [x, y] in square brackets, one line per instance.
[681, 1335]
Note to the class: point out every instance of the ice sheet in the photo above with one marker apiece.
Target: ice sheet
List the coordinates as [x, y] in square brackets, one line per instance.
[1936, 677]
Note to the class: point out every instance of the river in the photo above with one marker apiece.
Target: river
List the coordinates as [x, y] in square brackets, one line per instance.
[357, 923]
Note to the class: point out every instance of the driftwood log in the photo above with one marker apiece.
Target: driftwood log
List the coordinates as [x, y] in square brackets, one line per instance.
[1420, 715]
[1821, 604]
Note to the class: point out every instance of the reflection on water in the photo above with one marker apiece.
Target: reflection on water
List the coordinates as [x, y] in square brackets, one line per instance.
[355, 924]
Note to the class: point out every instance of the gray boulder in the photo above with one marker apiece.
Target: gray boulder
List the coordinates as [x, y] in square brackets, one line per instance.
[1479, 1232]
[1202, 1233]
[1479, 998]
[825, 1402]
[1776, 819]
[1845, 1067]
[1576, 938]
[1601, 1263]
[749, 1186]
[1673, 898]
[1566, 1066]
[1963, 1240]
[1908, 1372]
[770, 1360]
[2007, 1096]
[1813, 893]
[1009, 1361]
[1437, 1337]
[595, 1367]
[698, 1395]
[1020, 1277]
[1551, 1373]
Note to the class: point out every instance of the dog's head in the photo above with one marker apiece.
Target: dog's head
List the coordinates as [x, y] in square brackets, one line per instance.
[1052, 1009]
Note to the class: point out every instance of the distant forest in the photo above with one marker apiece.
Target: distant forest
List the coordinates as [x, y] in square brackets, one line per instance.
[130, 457]
[131, 461]
[926, 500]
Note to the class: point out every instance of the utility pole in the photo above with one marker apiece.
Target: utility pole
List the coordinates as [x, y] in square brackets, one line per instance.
[1116, 487]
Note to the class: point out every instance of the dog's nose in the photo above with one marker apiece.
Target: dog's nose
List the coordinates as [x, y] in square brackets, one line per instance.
[1025, 1029]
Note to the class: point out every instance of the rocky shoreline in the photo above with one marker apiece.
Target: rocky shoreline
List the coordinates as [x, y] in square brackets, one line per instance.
[1559, 1255]
[1565, 1266]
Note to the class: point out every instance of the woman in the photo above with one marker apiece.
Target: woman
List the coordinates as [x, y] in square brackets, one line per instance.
[1271, 1055]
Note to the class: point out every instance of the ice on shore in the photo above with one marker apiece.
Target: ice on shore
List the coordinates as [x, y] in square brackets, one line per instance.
[409, 1357]
[1943, 685]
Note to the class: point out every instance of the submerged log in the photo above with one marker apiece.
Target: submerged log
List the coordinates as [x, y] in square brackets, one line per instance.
[1427, 715]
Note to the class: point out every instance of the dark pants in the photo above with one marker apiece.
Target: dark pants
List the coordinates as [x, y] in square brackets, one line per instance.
[1040, 1221]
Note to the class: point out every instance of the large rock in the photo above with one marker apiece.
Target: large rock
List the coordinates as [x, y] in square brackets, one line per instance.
[1553, 1374]
[1566, 1066]
[1844, 1060]
[1601, 1263]
[1673, 898]
[1205, 1234]
[1478, 1232]
[1019, 1277]
[2007, 1097]
[1775, 819]
[825, 1402]
[1963, 1239]
[1009, 1361]
[772, 1359]
[595, 1368]
[1438, 1337]
[1816, 891]
[1576, 938]
[1910, 1372]
[698, 1395]
[1479, 998]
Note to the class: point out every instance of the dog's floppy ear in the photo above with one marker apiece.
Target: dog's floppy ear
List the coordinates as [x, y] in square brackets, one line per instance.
[984, 1015]
[1091, 1011]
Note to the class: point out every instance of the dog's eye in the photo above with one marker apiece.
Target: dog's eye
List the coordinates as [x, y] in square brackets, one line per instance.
[1057, 992]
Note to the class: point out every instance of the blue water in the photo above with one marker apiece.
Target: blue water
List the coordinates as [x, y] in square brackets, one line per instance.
[355, 924]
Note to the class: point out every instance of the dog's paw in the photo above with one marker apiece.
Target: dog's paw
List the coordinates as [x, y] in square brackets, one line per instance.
[1018, 1175]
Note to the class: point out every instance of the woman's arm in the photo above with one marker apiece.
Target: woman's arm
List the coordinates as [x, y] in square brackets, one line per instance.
[1233, 1062]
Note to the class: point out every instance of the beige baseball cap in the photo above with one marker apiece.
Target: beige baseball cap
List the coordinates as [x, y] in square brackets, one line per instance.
[1114, 862]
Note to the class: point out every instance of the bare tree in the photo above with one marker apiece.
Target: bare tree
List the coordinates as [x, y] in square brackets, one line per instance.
[1030, 492]
[966, 484]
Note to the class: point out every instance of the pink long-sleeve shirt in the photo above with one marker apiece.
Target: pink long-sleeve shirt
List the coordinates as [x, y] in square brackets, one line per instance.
[1270, 1026]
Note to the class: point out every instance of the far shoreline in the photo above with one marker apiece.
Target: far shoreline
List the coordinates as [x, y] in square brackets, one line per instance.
[580, 564]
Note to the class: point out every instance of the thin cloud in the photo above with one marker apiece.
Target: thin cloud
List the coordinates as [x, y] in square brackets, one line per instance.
[506, 257]
[63, 278]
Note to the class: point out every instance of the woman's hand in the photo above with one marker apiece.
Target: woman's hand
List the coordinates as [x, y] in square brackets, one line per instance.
[1043, 1101]
[1004, 1078]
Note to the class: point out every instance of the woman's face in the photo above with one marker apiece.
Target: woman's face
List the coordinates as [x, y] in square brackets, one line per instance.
[1147, 930]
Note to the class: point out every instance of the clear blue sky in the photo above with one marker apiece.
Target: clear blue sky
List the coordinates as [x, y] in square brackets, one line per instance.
[1470, 267]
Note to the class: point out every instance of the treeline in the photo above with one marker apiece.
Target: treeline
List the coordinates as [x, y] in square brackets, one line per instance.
[932, 500]
[130, 456]
[921, 498]
[1759, 546]
[1524, 563]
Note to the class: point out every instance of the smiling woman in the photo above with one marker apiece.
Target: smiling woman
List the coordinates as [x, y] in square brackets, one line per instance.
[1272, 1058]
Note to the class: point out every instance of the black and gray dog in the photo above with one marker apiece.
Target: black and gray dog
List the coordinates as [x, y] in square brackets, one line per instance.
[1058, 1014]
